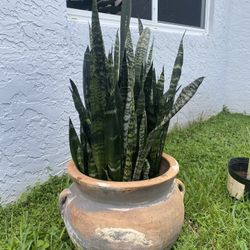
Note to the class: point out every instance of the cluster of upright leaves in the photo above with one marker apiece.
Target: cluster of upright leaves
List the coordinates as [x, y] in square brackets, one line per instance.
[126, 114]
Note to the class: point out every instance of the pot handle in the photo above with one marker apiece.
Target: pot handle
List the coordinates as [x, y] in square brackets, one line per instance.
[181, 187]
[63, 199]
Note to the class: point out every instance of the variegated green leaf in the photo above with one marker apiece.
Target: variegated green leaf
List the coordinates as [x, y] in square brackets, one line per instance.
[129, 48]
[98, 50]
[140, 26]
[129, 105]
[186, 94]
[176, 74]
[98, 89]
[75, 147]
[131, 145]
[124, 25]
[83, 114]
[123, 81]
[141, 143]
[86, 77]
[113, 149]
[146, 170]
[84, 144]
[90, 37]
[140, 107]
[149, 59]
[140, 59]
[158, 96]
[110, 74]
[92, 170]
[117, 57]
[150, 89]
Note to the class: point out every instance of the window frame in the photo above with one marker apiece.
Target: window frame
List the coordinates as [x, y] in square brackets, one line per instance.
[114, 20]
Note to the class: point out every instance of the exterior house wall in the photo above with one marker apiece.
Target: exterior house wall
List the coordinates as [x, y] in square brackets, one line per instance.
[237, 91]
[41, 48]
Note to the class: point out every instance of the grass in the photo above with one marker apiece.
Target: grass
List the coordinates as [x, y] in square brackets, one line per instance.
[213, 220]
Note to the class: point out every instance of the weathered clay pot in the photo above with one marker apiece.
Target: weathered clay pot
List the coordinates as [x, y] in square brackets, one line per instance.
[124, 215]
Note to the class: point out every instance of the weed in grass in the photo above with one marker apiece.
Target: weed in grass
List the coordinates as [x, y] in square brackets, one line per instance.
[213, 220]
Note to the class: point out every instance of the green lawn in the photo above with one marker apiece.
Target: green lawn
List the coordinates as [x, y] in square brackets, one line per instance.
[213, 220]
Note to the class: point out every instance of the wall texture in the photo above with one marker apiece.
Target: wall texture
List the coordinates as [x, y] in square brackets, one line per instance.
[40, 48]
[237, 74]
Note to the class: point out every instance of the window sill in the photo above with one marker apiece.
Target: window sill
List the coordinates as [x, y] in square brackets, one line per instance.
[114, 21]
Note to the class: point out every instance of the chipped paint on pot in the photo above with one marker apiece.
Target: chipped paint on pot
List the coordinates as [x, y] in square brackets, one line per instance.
[119, 235]
[135, 215]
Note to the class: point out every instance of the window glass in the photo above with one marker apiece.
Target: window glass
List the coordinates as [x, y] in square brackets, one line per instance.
[140, 8]
[186, 12]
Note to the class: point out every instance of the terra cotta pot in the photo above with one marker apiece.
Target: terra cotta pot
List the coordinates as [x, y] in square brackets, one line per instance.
[135, 215]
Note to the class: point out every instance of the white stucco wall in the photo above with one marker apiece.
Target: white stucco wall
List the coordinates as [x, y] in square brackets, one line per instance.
[40, 49]
[237, 91]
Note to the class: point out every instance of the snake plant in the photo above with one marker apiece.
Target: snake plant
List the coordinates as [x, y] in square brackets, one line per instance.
[126, 113]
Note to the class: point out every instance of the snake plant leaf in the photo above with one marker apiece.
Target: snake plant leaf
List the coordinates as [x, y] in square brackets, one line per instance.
[83, 114]
[113, 149]
[110, 74]
[148, 88]
[90, 37]
[86, 77]
[158, 95]
[125, 114]
[98, 50]
[185, 96]
[120, 115]
[151, 140]
[92, 170]
[124, 25]
[129, 48]
[142, 136]
[149, 59]
[131, 145]
[80, 159]
[75, 147]
[152, 116]
[146, 170]
[98, 89]
[140, 107]
[117, 58]
[129, 105]
[149, 106]
[123, 80]
[140, 26]
[156, 152]
[160, 106]
[84, 146]
[167, 107]
[140, 59]
[176, 73]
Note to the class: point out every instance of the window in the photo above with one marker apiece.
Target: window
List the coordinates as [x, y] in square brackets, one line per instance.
[182, 12]
[186, 12]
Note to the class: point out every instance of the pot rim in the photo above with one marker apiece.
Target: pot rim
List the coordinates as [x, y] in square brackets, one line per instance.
[84, 180]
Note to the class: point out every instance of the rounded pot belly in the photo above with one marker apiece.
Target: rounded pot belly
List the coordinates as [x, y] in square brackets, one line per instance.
[98, 225]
